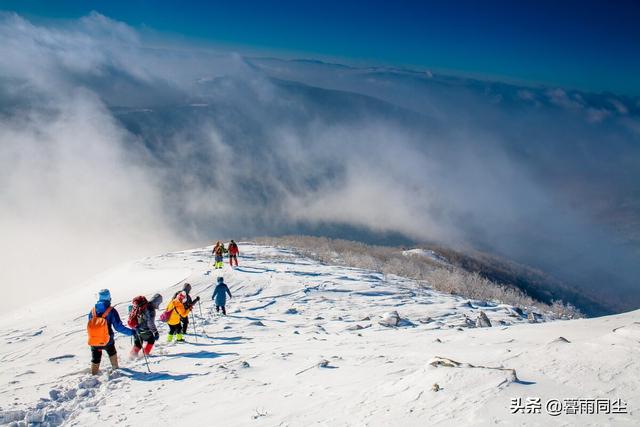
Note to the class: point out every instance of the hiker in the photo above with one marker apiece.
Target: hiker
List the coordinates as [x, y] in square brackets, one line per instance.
[178, 312]
[146, 330]
[218, 252]
[220, 296]
[188, 304]
[233, 253]
[102, 319]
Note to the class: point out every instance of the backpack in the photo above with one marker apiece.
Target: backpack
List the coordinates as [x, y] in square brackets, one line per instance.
[98, 329]
[164, 317]
[137, 313]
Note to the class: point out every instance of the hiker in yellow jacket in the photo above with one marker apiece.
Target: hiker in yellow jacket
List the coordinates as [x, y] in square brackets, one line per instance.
[178, 312]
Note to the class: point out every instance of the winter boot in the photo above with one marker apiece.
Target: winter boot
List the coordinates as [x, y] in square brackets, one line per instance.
[114, 361]
[169, 338]
[179, 338]
[147, 348]
[95, 368]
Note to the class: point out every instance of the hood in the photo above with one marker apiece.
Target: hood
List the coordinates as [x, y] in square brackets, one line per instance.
[156, 300]
[101, 306]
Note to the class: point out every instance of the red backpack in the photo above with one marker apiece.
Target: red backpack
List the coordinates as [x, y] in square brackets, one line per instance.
[137, 313]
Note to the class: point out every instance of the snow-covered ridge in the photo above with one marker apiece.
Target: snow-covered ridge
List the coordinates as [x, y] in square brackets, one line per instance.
[302, 337]
[428, 253]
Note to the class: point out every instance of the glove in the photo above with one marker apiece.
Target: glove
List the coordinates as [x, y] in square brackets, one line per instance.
[196, 300]
[156, 335]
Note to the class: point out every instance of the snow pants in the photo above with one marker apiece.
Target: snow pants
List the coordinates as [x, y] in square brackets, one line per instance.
[221, 307]
[185, 323]
[175, 329]
[233, 258]
[137, 341]
[218, 263]
[96, 352]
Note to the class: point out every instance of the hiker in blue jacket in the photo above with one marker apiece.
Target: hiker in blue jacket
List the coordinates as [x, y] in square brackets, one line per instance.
[113, 321]
[220, 296]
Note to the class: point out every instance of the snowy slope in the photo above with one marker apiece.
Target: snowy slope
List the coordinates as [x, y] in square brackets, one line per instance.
[260, 365]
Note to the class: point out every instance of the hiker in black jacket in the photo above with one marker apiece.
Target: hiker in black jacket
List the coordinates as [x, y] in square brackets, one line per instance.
[146, 330]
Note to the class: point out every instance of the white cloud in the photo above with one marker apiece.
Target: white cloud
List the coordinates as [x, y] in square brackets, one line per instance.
[218, 146]
[597, 115]
[560, 98]
[619, 106]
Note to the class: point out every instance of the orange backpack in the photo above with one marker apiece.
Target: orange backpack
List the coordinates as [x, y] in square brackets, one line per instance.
[98, 329]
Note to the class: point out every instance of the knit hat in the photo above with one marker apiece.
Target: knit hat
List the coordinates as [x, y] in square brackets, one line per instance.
[104, 295]
[220, 279]
[187, 287]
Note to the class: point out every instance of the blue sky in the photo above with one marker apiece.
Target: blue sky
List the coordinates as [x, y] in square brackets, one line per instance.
[589, 45]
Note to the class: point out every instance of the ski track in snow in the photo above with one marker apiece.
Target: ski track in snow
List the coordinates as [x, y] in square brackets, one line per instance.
[303, 344]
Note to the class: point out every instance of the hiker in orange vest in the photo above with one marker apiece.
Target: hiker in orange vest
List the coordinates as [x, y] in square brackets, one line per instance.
[218, 252]
[178, 312]
[102, 319]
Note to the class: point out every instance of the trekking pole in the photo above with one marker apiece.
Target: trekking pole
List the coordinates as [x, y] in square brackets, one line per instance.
[195, 331]
[144, 354]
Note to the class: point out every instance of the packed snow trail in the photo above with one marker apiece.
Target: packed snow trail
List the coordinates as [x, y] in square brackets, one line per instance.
[306, 343]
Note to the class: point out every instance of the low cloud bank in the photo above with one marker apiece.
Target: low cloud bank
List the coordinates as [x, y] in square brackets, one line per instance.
[112, 149]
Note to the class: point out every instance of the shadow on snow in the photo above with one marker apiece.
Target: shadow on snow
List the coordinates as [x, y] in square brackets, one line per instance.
[157, 376]
[202, 354]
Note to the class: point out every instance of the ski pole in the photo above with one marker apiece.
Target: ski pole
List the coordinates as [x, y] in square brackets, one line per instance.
[200, 307]
[195, 331]
[143, 353]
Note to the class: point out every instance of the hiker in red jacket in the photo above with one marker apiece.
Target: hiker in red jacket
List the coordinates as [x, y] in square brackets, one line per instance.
[233, 253]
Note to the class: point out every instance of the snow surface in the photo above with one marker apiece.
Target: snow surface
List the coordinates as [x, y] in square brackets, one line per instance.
[306, 344]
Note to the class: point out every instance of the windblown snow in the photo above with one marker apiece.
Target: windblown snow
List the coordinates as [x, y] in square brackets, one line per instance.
[305, 344]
